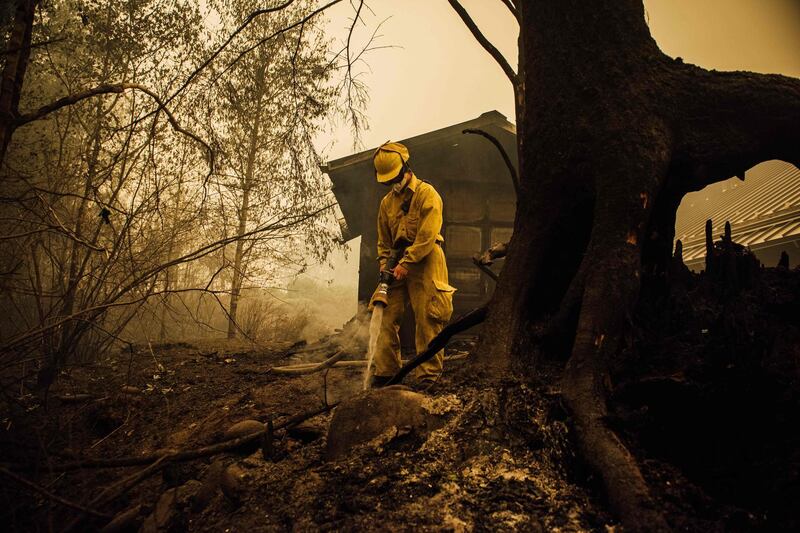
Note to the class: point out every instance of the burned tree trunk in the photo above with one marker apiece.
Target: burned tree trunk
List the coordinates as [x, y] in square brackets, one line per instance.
[612, 133]
[18, 51]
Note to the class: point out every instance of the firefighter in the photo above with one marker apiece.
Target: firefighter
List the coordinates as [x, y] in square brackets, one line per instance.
[410, 219]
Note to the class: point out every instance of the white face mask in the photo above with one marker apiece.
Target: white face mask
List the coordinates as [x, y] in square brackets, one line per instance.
[398, 187]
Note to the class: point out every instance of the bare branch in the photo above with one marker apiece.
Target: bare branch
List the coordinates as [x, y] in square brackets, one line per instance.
[184, 455]
[272, 36]
[35, 45]
[250, 18]
[463, 323]
[50, 496]
[13, 236]
[485, 269]
[347, 363]
[60, 230]
[73, 99]
[511, 7]
[488, 46]
[113, 301]
[503, 154]
[349, 80]
[121, 487]
[67, 232]
[112, 89]
[496, 251]
[327, 363]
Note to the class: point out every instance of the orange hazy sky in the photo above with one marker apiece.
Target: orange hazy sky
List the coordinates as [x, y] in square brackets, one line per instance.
[437, 75]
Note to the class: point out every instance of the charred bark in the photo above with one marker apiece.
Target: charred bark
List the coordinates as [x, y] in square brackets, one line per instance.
[612, 134]
[16, 62]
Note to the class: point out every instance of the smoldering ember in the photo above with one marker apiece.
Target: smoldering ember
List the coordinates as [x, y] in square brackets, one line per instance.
[372, 265]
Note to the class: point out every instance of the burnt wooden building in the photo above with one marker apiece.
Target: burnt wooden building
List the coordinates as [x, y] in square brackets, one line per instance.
[476, 188]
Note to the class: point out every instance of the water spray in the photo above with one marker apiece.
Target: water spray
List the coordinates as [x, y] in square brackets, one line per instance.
[379, 302]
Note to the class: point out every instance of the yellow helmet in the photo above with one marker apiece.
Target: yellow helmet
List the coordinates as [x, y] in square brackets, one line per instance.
[389, 159]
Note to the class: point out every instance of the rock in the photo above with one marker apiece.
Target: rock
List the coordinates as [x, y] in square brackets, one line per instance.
[242, 429]
[127, 520]
[170, 509]
[367, 416]
[306, 432]
[231, 482]
[130, 396]
[210, 485]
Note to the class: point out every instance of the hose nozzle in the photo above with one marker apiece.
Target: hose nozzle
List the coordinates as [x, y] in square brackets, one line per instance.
[381, 295]
[386, 278]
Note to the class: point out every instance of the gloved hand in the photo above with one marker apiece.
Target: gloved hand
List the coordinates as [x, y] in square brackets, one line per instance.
[400, 272]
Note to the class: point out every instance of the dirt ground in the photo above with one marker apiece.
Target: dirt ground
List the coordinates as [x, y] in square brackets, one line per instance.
[710, 410]
[466, 475]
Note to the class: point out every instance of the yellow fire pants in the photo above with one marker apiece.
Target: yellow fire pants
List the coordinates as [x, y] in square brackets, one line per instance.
[426, 288]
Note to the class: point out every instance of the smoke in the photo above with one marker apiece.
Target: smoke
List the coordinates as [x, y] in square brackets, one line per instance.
[329, 306]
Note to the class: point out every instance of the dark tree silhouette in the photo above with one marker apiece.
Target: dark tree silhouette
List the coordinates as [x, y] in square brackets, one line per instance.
[611, 134]
[17, 52]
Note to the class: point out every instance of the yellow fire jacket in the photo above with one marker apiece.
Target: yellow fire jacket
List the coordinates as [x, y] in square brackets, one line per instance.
[420, 226]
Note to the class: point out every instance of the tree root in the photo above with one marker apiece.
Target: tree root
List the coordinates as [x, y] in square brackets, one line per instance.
[603, 451]
[585, 388]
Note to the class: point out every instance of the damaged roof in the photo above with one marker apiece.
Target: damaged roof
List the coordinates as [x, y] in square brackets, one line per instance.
[438, 155]
[764, 210]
